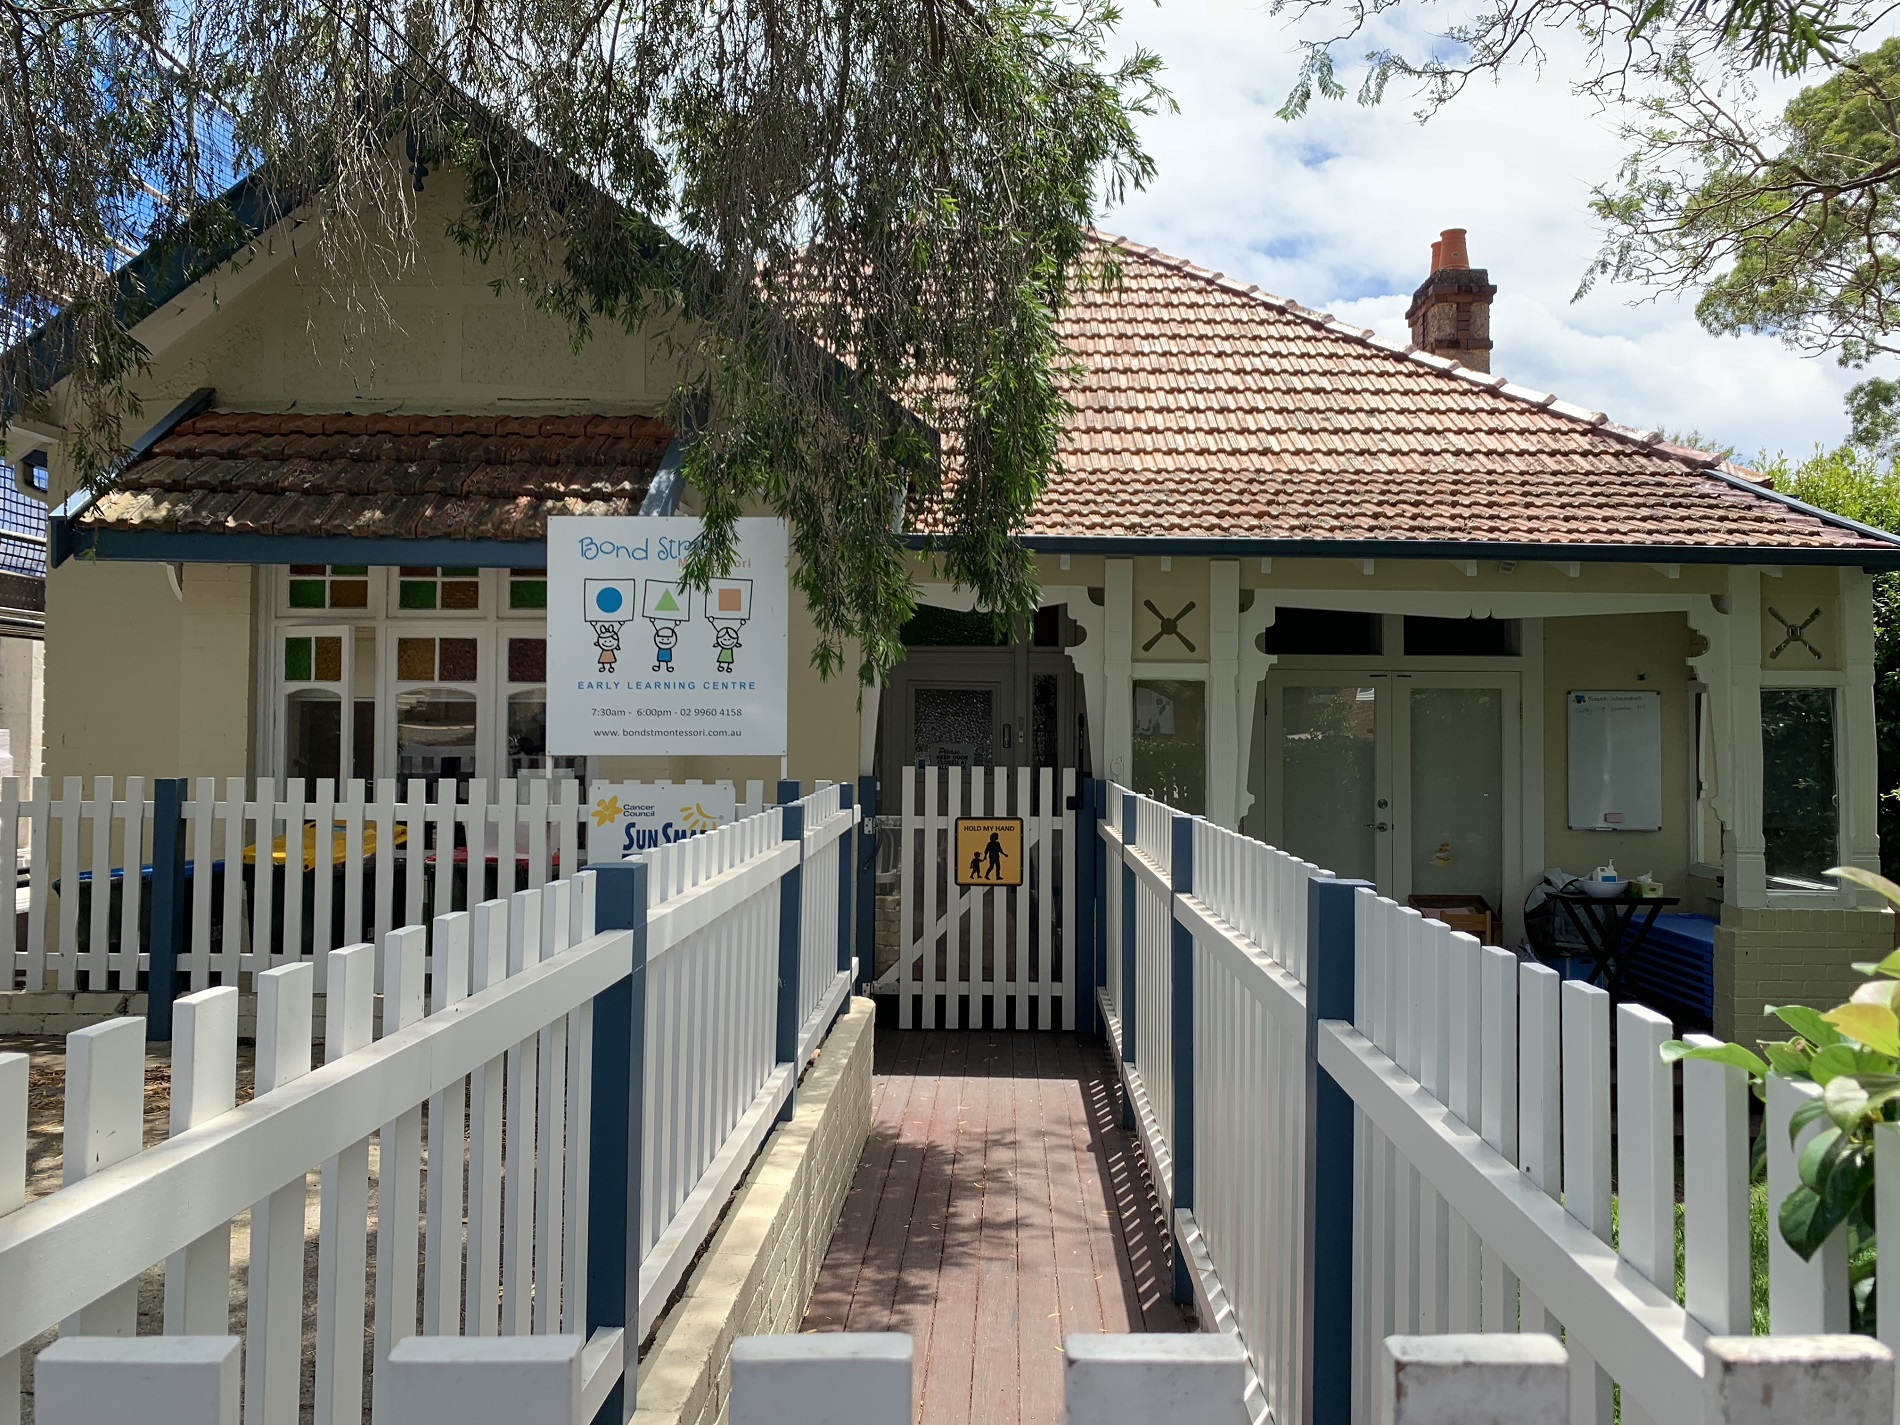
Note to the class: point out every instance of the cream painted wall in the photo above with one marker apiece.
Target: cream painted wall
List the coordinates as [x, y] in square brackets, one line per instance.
[1642, 652]
[283, 332]
[142, 683]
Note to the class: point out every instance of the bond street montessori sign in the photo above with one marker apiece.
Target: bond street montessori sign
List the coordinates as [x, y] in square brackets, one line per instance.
[640, 665]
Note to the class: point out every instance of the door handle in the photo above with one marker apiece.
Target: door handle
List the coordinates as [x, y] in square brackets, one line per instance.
[1378, 826]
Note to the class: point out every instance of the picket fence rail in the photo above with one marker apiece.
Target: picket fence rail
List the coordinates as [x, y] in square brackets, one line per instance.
[383, 858]
[1364, 1124]
[866, 1378]
[554, 1132]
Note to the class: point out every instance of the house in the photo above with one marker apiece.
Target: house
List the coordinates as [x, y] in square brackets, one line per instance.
[1339, 592]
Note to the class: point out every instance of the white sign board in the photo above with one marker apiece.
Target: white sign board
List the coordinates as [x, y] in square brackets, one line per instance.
[641, 666]
[626, 818]
[1615, 761]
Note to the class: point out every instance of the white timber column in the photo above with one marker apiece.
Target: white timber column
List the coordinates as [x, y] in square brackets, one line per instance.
[1223, 692]
[1744, 862]
[1860, 745]
[1086, 657]
[1254, 664]
[1118, 696]
[869, 701]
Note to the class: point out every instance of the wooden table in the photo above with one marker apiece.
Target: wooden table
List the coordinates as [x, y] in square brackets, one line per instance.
[1613, 929]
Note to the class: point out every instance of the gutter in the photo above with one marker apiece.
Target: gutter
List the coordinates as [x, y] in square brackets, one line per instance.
[1887, 556]
[62, 534]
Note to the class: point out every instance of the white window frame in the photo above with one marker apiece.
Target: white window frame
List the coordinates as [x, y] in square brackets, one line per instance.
[491, 626]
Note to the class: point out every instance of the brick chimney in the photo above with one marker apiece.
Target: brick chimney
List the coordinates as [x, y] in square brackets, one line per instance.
[1450, 315]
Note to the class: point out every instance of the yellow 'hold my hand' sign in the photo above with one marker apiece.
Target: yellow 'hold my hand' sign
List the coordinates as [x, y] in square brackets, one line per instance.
[989, 851]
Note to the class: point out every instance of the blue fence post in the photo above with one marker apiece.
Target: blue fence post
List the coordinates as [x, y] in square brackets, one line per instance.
[168, 904]
[1181, 1040]
[1128, 955]
[867, 881]
[1082, 933]
[847, 883]
[790, 924]
[617, 1119]
[1326, 1252]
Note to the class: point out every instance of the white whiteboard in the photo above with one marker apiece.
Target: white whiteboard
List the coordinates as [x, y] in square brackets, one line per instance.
[1615, 761]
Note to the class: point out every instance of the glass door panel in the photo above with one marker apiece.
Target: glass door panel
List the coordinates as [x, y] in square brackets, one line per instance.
[314, 667]
[1328, 775]
[1456, 742]
[954, 727]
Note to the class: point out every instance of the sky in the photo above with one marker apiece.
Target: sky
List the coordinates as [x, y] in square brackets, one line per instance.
[1338, 211]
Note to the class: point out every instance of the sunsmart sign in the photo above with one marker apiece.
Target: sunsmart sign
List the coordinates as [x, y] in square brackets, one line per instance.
[627, 818]
[641, 665]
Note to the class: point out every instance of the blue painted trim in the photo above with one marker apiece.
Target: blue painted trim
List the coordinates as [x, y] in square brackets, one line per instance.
[1087, 944]
[847, 884]
[1106, 951]
[668, 483]
[1181, 1039]
[617, 1118]
[158, 546]
[1326, 1252]
[867, 879]
[1237, 547]
[168, 905]
[790, 923]
[1128, 1005]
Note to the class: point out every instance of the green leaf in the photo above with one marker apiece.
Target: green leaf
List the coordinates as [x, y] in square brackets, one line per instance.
[1808, 1163]
[1808, 1023]
[1839, 1059]
[1805, 1113]
[1733, 1055]
[1845, 1100]
[1872, 880]
[1806, 1222]
[1788, 1061]
[1870, 1024]
[1889, 967]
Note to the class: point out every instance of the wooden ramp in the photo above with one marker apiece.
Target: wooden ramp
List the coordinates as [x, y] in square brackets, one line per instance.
[998, 1207]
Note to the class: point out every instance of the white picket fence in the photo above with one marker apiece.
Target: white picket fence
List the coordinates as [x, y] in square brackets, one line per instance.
[967, 948]
[1485, 1140]
[384, 865]
[474, 1119]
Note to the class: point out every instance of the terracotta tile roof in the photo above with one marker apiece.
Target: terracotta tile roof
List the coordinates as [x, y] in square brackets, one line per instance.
[384, 476]
[1211, 409]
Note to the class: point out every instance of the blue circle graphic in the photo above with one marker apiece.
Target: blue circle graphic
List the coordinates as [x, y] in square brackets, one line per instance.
[608, 600]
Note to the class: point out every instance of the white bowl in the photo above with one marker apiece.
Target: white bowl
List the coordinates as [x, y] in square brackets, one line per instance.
[1604, 890]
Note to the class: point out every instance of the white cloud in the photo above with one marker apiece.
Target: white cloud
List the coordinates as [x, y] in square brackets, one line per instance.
[1338, 211]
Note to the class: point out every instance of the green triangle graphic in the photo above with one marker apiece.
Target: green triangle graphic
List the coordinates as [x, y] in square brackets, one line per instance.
[666, 604]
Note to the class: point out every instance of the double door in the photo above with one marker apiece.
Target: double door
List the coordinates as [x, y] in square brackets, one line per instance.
[1408, 780]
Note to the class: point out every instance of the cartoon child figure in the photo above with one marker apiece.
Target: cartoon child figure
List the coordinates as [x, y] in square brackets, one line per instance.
[665, 635]
[725, 639]
[976, 865]
[607, 640]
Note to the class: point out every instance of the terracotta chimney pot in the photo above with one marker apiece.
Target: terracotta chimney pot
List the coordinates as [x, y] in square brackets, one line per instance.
[1450, 314]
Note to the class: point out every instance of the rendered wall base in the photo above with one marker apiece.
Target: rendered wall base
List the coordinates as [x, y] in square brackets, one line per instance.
[759, 1271]
[1787, 956]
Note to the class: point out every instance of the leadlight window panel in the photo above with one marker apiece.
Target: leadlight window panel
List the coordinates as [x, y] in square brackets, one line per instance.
[328, 586]
[436, 660]
[527, 588]
[527, 660]
[450, 589]
[314, 658]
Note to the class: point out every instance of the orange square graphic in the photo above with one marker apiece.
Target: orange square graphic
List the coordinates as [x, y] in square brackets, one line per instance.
[729, 601]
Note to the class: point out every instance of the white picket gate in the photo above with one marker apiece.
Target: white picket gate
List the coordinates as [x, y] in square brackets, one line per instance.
[384, 866]
[974, 957]
[1485, 1140]
[472, 1117]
